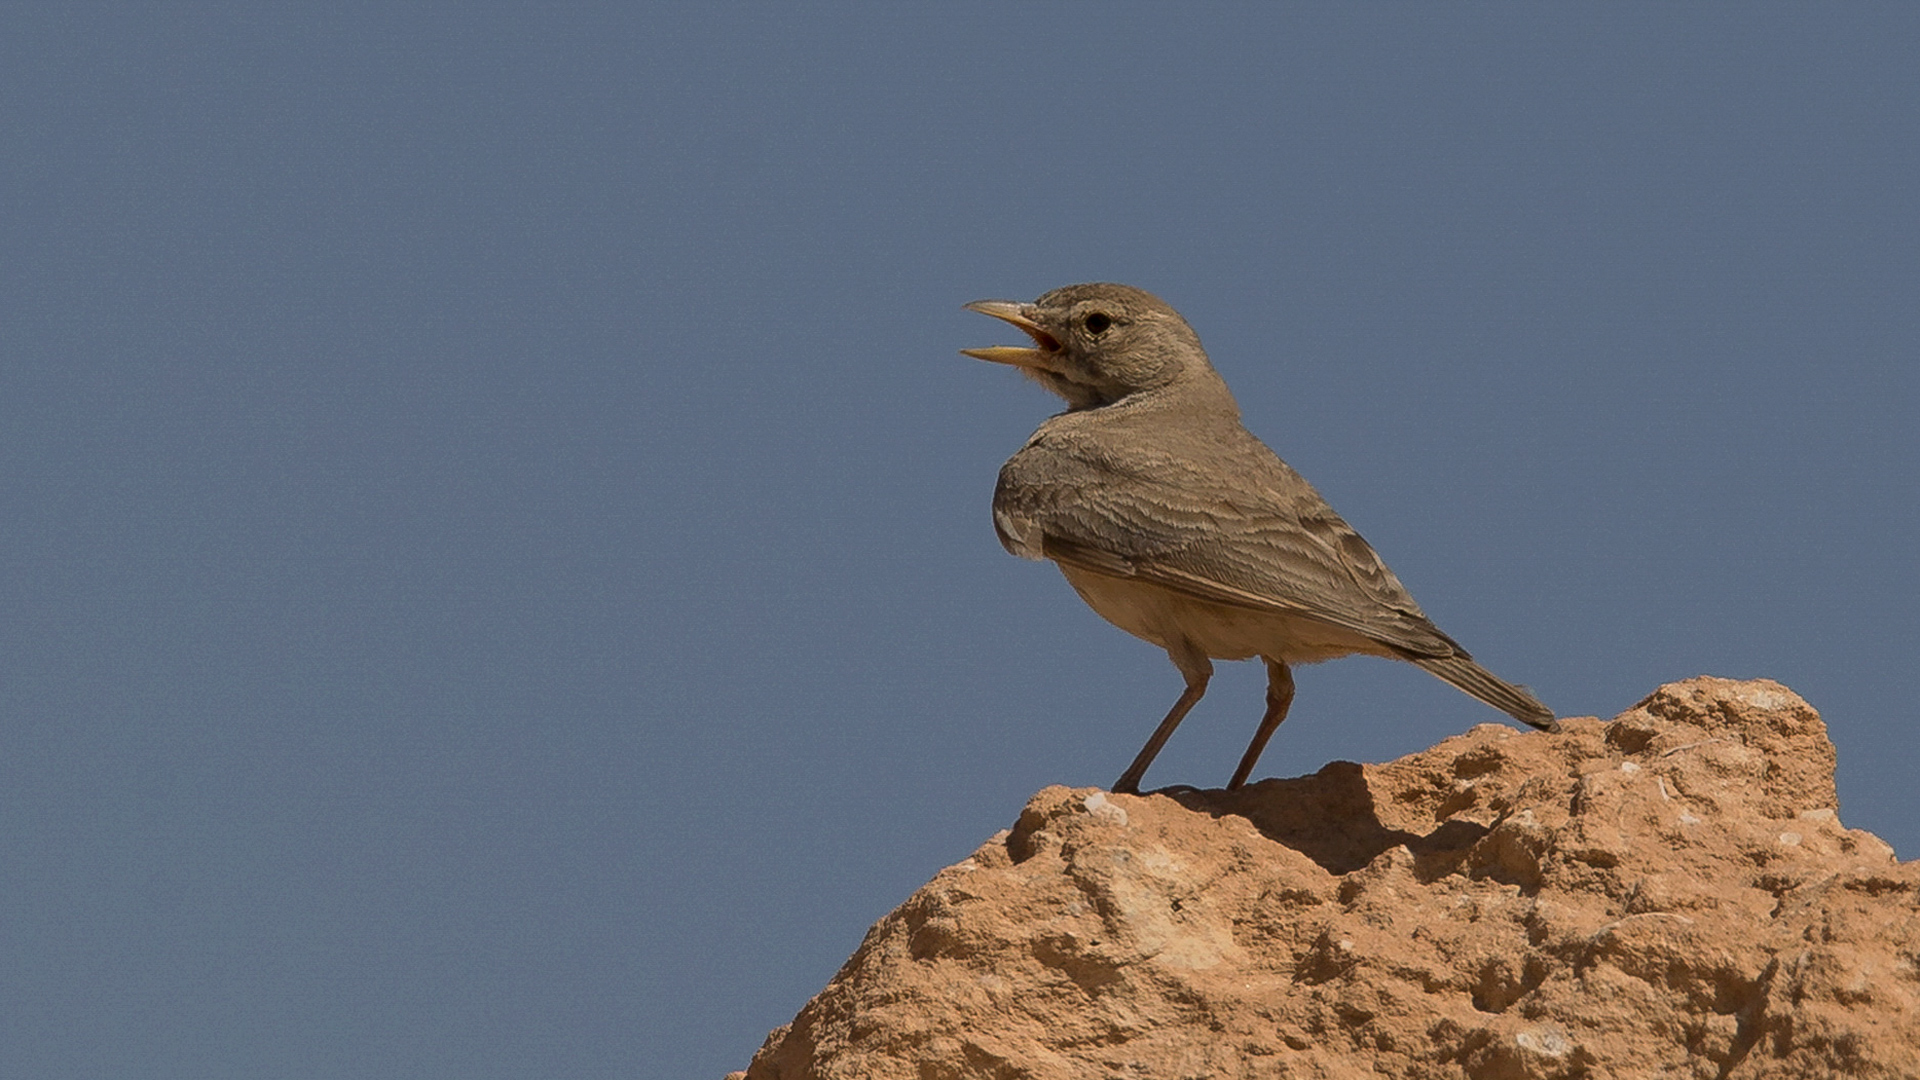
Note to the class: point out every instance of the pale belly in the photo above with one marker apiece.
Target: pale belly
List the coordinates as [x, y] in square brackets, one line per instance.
[1223, 632]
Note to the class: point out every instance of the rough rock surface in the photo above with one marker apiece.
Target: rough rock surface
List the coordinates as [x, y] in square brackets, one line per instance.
[1668, 894]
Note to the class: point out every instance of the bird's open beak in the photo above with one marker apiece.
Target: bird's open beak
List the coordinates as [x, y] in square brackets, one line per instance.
[1009, 311]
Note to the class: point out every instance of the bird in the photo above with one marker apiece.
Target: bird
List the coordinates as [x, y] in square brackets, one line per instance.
[1176, 524]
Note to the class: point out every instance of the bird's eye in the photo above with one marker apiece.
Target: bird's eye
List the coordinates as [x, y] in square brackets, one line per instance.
[1097, 323]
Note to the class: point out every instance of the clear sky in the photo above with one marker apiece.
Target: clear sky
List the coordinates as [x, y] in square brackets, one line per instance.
[495, 569]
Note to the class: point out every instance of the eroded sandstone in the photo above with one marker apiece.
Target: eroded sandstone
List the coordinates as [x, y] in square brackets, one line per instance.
[1671, 893]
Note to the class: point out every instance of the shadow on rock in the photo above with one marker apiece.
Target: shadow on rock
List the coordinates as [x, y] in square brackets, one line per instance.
[1330, 818]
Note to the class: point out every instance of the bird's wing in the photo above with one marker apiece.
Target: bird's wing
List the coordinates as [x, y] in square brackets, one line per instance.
[1269, 542]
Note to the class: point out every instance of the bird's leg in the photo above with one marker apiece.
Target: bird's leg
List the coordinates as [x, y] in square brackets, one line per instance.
[1279, 699]
[1197, 669]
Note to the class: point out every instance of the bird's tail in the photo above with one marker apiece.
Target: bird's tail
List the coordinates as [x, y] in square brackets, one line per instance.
[1516, 701]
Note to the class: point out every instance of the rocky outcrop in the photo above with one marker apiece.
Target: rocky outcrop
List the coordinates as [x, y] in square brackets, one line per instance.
[1667, 894]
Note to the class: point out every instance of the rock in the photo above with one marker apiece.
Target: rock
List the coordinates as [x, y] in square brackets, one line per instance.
[1668, 894]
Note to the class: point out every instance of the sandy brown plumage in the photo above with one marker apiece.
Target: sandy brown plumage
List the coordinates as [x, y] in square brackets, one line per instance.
[1179, 526]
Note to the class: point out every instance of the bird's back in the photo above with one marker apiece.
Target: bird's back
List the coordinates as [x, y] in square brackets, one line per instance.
[1193, 502]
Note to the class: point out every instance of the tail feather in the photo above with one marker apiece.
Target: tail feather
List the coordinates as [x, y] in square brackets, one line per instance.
[1516, 701]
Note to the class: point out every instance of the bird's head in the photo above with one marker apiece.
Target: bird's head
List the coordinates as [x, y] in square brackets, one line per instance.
[1096, 344]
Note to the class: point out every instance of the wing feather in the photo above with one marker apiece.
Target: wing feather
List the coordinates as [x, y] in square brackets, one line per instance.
[1268, 543]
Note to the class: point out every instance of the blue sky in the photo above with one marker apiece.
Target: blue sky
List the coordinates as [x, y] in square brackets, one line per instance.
[496, 570]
